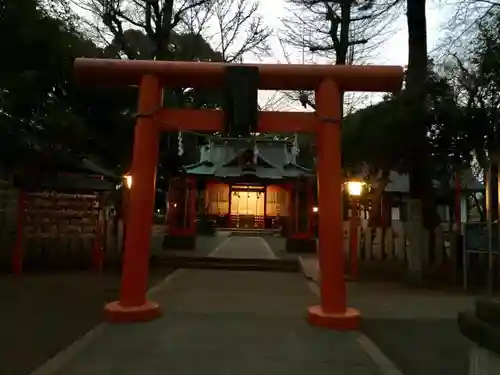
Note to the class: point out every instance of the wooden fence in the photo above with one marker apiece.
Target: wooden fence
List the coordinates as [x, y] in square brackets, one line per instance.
[391, 244]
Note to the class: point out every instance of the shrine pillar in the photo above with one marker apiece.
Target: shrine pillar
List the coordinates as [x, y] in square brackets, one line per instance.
[301, 237]
[133, 305]
[181, 217]
[332, 312]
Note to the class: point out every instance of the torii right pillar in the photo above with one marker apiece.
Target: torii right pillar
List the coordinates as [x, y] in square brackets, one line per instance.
[333, 311]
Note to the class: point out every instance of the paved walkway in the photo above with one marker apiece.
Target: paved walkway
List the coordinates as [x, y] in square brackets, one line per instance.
[222, 322]
[401, 320]
[244, 248]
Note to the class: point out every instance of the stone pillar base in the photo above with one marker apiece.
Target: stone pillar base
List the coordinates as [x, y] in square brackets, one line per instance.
[114, 312]
[179, 242]
[349, 320]
[482, 327]
[301, 245]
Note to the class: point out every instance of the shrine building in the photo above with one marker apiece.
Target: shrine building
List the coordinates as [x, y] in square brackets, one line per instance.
[244, 183]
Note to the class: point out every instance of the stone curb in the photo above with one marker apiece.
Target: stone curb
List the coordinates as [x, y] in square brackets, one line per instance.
[482, 326]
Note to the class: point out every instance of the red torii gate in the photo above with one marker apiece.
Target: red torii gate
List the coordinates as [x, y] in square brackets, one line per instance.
[328, 81]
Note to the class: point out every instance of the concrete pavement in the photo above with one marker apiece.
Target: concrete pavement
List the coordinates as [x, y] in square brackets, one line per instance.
[222, 322]
[416, 328]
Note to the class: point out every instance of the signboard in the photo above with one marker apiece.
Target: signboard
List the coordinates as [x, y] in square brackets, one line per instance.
[476, 237]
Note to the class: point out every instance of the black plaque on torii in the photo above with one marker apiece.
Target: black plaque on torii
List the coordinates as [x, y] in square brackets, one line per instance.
[241, 100]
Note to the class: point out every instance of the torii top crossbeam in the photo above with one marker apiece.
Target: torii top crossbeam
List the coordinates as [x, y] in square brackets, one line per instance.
[111, 72]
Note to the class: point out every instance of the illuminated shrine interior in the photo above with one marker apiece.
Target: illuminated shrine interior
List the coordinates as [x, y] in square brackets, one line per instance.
[247, 202]
[247, 206]
[247, 186]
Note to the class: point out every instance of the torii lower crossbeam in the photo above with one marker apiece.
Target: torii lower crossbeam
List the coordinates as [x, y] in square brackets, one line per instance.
[328, 81]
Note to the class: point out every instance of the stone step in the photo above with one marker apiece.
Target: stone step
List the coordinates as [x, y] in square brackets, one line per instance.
[280, 265]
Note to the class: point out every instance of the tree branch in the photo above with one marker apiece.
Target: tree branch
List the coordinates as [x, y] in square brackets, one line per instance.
[332, 47]
[178, 15]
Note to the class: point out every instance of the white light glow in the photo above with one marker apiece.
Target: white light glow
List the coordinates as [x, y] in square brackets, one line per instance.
[128, 181]
[355, 188]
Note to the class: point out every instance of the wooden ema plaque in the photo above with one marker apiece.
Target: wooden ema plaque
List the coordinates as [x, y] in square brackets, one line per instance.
[60, 229]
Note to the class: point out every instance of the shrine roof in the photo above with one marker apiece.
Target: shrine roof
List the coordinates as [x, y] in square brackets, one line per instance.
[66, 182]
[31, 153]
[400, 183]
[260, 172]
[223, 159]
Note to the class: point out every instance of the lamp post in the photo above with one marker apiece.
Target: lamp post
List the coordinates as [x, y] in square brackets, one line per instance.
[355, 190]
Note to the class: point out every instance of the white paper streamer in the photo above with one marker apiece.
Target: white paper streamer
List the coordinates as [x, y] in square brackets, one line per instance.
[180, 145]
[295, 145]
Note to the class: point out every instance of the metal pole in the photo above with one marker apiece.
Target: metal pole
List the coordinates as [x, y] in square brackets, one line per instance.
[353, 240]
[495, 249]
[489, 211]
[187, 194]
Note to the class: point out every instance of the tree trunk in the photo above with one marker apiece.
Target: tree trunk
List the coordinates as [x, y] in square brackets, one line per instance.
[480, 207]
[416, 98]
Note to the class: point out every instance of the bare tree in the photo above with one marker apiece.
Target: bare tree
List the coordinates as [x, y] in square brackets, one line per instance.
[460, 27]
[233, 27]
[351, 102]
[272, 102]
[342, 31]
[157, 19]
[239, 27]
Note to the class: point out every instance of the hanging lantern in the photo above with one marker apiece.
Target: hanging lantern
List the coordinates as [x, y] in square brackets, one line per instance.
[255, 153]
[180, 145]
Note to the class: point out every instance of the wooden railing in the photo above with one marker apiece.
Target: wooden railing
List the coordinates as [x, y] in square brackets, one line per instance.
[391, 244]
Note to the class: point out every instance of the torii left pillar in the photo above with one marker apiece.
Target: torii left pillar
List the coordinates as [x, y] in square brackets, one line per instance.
[133, 305]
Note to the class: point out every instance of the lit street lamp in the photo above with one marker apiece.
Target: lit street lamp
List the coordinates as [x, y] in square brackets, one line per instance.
[355, 190]
[128, 180]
